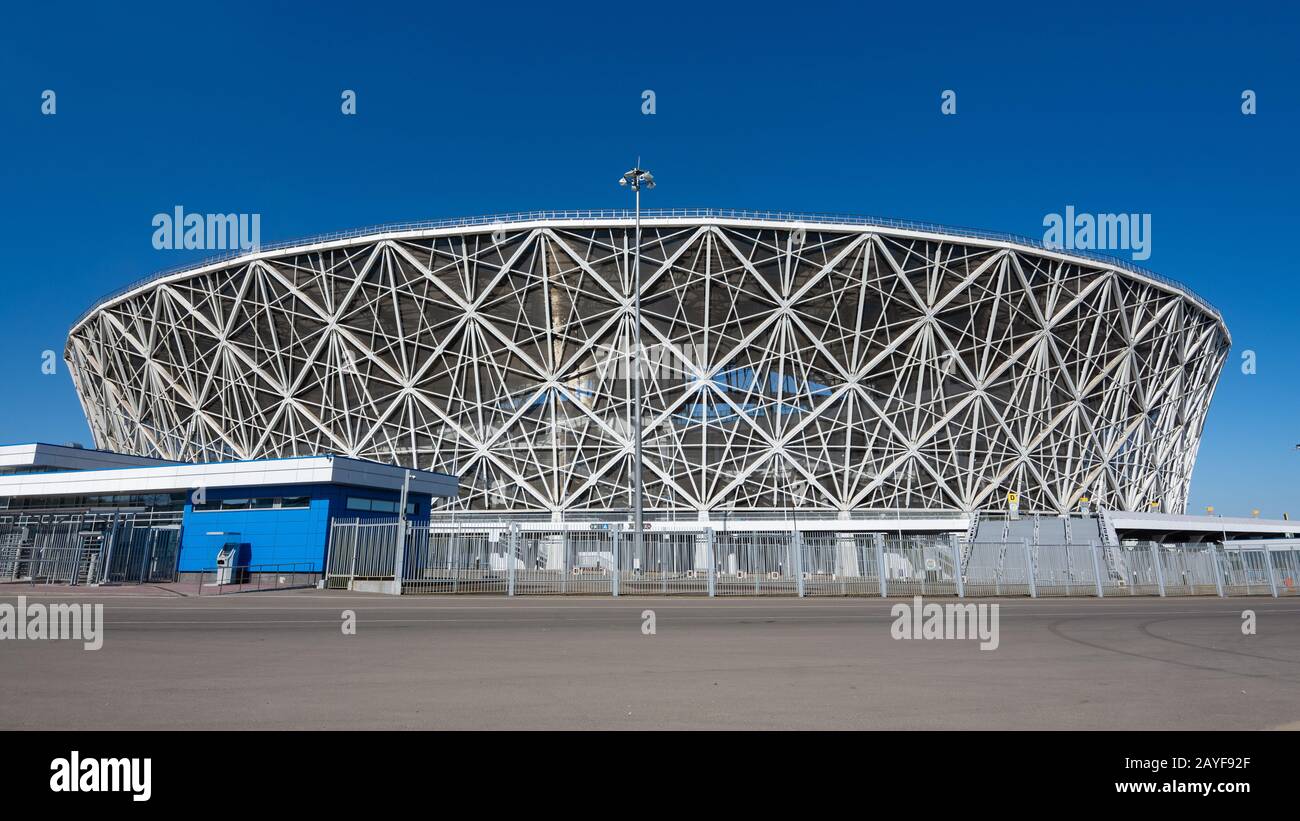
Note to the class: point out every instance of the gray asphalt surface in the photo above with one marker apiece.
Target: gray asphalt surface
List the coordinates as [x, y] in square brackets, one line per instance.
[281, 660]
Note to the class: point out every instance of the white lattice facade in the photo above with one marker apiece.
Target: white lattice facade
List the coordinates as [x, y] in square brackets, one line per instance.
[812, 365]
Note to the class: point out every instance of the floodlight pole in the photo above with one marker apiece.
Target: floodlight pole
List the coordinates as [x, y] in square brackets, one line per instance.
[638, 460]
[636, 178]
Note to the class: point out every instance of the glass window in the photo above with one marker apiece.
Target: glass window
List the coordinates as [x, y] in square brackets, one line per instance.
[295, 502]
[355, 503]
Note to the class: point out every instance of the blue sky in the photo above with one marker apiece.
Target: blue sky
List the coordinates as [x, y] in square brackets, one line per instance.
[484, 108]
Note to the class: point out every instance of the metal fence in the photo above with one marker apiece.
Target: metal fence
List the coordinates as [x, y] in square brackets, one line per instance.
[249, 578]
[88, 549]
[606, 558]
[142, 553]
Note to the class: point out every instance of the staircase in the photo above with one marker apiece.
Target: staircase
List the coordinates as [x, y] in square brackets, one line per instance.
[971, 531]
[1110, 543]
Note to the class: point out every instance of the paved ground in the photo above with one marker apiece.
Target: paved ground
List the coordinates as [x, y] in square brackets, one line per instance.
[280, 660]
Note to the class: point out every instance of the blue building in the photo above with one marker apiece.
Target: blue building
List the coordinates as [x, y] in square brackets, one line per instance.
[277, 511]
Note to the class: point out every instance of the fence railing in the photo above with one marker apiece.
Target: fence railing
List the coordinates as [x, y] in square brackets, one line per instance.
[88, 549]
[608, 559]
[250, 578]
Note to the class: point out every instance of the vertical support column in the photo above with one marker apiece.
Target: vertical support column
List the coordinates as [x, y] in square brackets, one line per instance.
[796, 556]
[711, 557]
[616, 572]
[1160, 570]
[1268, 564]
[879, 539]
[1095, 549]
[109, 541]
[667, 551]
[399, 553]
[1218, 571]
[1029, 569]
[512, 556]
[356, 548]
[564, 559]
[957, 570]
[150, 545]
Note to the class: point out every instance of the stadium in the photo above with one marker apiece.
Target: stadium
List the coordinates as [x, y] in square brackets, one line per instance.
[825, 365]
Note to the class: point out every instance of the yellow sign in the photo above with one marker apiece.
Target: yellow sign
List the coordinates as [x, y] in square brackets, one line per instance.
[1012, 497]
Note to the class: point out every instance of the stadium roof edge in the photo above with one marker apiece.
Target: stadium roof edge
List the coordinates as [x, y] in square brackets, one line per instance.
[321, 469]
[649, 216]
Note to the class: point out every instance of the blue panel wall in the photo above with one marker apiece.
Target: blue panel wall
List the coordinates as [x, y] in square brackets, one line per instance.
[272, 536]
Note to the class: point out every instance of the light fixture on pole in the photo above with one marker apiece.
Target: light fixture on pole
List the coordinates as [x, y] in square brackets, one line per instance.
[637, 179]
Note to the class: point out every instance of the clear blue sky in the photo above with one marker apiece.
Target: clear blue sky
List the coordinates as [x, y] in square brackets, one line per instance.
[479, 108]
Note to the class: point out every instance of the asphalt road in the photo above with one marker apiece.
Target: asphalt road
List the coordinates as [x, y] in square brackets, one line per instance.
[281, 660]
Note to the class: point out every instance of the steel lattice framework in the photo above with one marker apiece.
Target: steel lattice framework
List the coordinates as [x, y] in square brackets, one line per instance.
[814, 365]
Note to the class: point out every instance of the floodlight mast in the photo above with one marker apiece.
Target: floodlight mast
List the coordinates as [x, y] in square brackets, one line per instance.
[637, 178]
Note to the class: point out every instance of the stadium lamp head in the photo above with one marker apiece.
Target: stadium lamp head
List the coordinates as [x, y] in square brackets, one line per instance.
[638, 177]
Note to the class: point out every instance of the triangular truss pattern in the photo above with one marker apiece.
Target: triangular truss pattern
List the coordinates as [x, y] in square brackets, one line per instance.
[829, 368]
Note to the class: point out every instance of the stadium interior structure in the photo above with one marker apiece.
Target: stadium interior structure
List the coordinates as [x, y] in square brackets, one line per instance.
[793, 365]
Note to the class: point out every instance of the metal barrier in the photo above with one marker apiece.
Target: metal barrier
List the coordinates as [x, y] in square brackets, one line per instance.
[564, 562]
[840, 564]
[668, 562]
[1067, 569]
[250, 578]
[1286, 570]
[1188, 570]
[455, 561]
[999, 569]
[604, 558]
[754, 564]
[360, 549]
[142, 554]
[1247, 573]
[920, 565]
[89, 548]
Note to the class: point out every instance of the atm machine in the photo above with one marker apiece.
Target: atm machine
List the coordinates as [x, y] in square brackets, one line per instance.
[228, 569]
